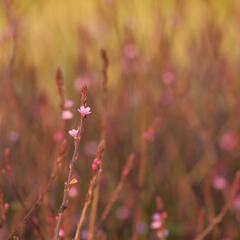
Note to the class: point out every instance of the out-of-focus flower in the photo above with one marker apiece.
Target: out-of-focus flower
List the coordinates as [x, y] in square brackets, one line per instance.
[219, 182]
[142, 228]
[73, 192]
[73, 133]
[167, 99]
[6, 205]
[228, 141]
[122, 213]
[158, 225]
[90, 147]
[67, 115]
[58, 136]
[163, 234]
[61, 233]
[85, 234]
[236, 202]
[130, 51]
[81, 81]
[84, 111]
[96, 165]
[168, 78]
[87, 79]
[13, 136]
[148, 135]
[68, 103]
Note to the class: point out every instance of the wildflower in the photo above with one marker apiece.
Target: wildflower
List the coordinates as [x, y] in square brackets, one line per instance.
[6, 205]
[228, 141]
[219, 183]
[158, 225]
[90, 148]
[168, 78]
[83, 80]
[130, 51]
[58, 136]
[85, 234]
[73, 192]
[122, 213]
[66, 115]
[141, 228]
[84, 111]
[236, 202]
[68, 103]
[73, 133]
[13, 136]
[61, 233]
[96, 165]
[148, 135]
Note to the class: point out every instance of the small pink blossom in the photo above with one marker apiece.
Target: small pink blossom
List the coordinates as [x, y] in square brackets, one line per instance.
[142, 228]
[236, 202]
[61, 233]
[219, 182]
[58, 136]
[84, 111]
[148, 135]
[168, 78]
[123, 213]
[96, 165]
[73, 133]
[83, 80]
[90, 148]
[13, 136]
[67, 115]
[68, 103]
[130, 51]
[156, 225]
[228, 141]
[6, 205]
[73, 192]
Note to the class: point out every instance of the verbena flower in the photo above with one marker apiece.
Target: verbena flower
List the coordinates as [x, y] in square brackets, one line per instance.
[68, 103]
[73, 132]
[84, 111]
[96, 164]
[66, 115]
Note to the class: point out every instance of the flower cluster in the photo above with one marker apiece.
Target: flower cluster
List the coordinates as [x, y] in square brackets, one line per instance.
[66, 113]
[158, 225]
[96, 165]
[73, 133]
[84, 111]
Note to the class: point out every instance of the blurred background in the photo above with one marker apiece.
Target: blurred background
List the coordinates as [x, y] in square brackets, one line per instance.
[172, 99]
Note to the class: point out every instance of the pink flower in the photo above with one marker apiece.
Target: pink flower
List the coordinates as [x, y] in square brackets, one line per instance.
[68, 103]
[6, 206]
[13, 136]
[90, 148]
[66, 115]
[61, 233]
[148, 135]
[123, 213]
[84, 111]
[130, 51]
[228, 141]
[168, 78]
[96, 165]
[219, 183]
[236, 202]
[73, 133]
[73, 192]
[58, 136]
[156, 225]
